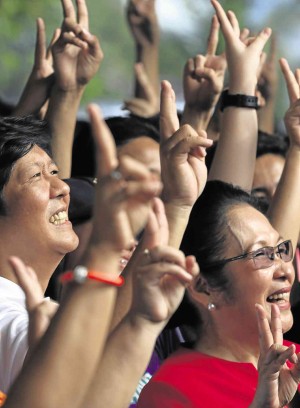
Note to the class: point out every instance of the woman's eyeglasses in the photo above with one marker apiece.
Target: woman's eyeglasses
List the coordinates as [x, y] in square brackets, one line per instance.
[264, 257]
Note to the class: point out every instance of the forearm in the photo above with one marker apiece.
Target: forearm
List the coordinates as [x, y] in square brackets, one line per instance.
[234, 160]
[124, 295]
[266, 117]
[64, 361]
[284, 211]
[178, 218]
[62, 116]
[125, 358]
[34, 96]
[149, 57]
[198, 120]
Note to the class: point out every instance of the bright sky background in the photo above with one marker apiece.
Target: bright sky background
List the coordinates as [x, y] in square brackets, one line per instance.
[174, 16]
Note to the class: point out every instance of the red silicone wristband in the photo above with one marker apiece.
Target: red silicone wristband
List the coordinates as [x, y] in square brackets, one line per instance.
[80, 274]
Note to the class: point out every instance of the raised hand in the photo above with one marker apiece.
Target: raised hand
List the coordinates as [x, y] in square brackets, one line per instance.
[142, 20]
[292, 115]
[234, 159]
[161, 272]
[182, 154]
[147, 103]
[268, 78]
[124, 191]
[40, 310]
[278, 381]
[40, 81]
[204, 74]
[77, 53]
[243, 58]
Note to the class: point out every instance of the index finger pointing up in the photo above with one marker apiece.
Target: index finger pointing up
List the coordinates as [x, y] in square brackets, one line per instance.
[68, 9]
[105, 144]
[213, 38]
[169, 121]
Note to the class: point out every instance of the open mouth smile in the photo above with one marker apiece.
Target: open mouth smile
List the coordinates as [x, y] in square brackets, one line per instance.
[59, 218]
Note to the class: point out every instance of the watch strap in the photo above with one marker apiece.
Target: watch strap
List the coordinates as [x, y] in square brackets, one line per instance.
[238, 100]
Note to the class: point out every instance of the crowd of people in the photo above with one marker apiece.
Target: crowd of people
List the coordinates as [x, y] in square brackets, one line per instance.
[152, 259]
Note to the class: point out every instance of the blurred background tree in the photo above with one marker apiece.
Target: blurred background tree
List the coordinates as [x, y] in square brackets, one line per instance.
[184, 28]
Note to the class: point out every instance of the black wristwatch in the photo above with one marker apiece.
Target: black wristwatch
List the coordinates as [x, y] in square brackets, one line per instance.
[238, 100]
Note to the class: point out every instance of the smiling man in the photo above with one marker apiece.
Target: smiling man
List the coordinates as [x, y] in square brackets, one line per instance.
[34, 225]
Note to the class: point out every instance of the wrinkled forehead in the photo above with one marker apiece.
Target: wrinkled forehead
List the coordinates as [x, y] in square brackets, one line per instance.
[35, 157]
[248, 226]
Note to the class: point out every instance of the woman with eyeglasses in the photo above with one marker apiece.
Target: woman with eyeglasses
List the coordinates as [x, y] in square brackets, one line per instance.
[245, 282]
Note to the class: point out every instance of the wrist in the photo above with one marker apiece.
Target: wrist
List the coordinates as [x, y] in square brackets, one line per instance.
[246, 88]
[149, 50]
[197, 118]
[143, 325]
[294, 149]
[72, 90]
[102, 257]
[238, 101]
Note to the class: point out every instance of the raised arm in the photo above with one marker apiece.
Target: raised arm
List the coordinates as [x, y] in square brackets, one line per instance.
[268, 85]
[38, 87]
[144, 27]
[67, 355]
[146, 105]
[235, 155]
[183, 169]
[284, 211]
[76, 57]
[184, 173]
[155, 233]
[203, 80]
[159, 281]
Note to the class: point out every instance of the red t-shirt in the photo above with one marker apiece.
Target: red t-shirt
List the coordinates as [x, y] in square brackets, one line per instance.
[191, 379]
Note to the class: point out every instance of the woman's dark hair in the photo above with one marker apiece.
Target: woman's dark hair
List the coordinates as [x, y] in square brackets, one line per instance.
[206, 238]
[206, 234]
[18, 135]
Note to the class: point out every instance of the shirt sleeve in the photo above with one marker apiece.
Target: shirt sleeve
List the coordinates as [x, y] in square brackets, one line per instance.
[162, 395]
[13, 345]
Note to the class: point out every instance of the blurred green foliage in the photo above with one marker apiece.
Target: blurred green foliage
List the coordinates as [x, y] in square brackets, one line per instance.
[114, 80]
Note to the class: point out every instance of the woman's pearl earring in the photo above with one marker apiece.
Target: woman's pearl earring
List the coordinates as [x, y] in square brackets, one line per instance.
[211, 306]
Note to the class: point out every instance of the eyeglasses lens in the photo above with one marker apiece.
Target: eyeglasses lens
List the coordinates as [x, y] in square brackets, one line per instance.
[264, 257]
[285, 251]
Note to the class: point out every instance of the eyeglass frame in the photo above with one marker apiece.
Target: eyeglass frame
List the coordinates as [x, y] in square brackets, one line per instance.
[243, 256]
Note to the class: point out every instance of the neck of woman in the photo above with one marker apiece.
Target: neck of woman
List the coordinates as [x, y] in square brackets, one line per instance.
[227, 344]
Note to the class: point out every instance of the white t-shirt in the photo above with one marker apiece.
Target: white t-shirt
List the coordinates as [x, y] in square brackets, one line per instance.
[13, 332]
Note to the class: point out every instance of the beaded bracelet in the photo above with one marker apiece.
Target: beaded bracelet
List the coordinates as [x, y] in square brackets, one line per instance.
[81, 273]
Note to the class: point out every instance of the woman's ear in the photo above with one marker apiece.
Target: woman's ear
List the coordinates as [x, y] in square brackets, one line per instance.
[198, 291]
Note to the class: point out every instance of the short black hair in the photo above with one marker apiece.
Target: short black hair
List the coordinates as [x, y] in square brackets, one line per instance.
[123, 128]
[276, 143]
[18, 135]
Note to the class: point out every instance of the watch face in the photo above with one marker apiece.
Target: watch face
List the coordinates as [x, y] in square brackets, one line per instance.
[80, 274]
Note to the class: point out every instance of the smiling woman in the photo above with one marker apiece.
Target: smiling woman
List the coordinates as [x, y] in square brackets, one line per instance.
[243, 262]
[34, 226]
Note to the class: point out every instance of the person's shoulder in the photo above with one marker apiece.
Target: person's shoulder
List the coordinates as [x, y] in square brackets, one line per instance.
[183, 360]
[12, 297]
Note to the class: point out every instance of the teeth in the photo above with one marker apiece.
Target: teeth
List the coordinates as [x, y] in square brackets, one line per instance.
[59, 218]
[279, 296]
